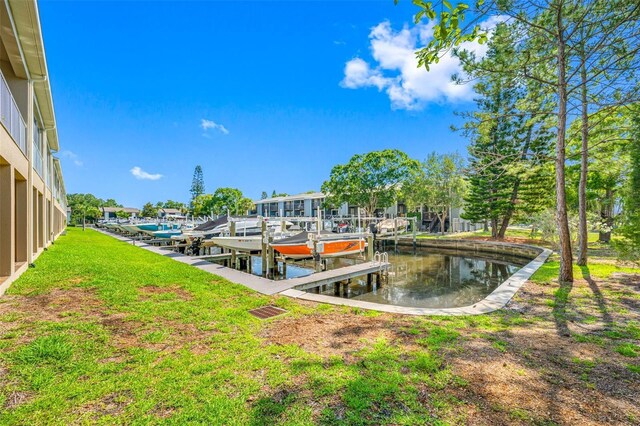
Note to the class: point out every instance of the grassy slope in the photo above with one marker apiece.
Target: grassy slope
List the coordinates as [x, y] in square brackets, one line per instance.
[188, 351]
[70, 367]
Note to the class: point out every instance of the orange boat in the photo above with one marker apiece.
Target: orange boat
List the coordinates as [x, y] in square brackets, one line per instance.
[300, 246]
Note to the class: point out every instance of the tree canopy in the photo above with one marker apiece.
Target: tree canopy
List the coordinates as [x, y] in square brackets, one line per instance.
[439, 184]
[372, 180]
[223, 200]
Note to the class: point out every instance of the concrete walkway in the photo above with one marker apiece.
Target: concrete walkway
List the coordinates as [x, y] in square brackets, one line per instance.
[496, 300]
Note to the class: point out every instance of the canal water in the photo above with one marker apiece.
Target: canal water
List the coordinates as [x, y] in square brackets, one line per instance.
[434, 279]
[424, 278]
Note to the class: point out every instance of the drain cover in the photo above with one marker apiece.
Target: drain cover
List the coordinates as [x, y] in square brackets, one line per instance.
[267, 312]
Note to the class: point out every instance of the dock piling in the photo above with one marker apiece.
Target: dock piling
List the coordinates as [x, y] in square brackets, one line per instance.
[265, 247]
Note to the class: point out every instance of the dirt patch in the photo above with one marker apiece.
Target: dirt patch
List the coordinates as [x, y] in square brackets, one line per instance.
[16, 398]
[548, 370]
[151, 290]
[329, 335]
[112, 404]
[74, 304]
[54, 305]
[124, 332]
[544, 377]
[163, 412]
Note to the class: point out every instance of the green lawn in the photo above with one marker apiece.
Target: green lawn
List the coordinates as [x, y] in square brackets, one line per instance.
[102, 332]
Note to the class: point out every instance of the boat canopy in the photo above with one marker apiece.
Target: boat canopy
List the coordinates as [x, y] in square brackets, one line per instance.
[211, 224]
[302, 237]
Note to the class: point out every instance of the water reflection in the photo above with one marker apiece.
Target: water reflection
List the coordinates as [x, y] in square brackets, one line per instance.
[435, 279]
[425, 278]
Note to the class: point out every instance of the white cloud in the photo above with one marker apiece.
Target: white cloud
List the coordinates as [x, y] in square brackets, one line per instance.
[395, 70]
[138, 173]
[208, 124]
[72, 157]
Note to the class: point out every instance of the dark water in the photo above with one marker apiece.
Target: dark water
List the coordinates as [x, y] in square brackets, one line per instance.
[293, 270]
[434, 279]
[425, 278]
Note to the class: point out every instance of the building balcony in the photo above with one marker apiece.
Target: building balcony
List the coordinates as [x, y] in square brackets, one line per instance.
[11, 118]
[38, 165]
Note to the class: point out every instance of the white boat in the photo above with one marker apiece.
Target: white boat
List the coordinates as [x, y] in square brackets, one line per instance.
[246, 243]
[249, 243]
[398, 224]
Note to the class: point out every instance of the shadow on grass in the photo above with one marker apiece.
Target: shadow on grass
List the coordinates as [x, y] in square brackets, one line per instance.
[597, 293]
[560, 302]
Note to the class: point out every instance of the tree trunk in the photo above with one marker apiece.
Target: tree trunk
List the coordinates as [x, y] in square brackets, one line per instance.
[494, 228]
[442, 218]
[564, 235]
[606, 213]
[516, 186]
[583, 235]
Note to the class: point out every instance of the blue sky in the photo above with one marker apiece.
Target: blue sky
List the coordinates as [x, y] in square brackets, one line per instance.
[263, 95]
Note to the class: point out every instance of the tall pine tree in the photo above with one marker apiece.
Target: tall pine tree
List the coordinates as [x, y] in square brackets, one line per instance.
[507, 168]
[197, 184]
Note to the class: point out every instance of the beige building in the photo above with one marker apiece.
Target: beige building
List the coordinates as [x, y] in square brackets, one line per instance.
[32, 193]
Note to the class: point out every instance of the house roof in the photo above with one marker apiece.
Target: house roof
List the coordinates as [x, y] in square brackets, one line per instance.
[171, 211]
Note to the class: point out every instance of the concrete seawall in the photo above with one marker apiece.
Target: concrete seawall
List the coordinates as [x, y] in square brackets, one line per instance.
[520, 250]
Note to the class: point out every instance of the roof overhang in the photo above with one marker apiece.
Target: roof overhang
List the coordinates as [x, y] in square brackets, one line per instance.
[56, 165]
[26, 20]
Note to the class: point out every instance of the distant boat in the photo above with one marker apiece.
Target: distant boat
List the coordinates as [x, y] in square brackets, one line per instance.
[167, 233]
[150, 227]
[391, 225]
[328, 244]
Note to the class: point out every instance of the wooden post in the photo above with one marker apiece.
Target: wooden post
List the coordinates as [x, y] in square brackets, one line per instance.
[265, 247]
[379, 279]
[369, 282]
[370, 248]
[284, 268]
[395, 232]
[272, 258]
[317, 260]
[232, 233]
[414, 224]
[345, 288]
[336, 288]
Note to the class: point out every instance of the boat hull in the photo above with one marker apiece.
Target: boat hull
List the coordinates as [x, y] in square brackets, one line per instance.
[330, 248]
[252, 243]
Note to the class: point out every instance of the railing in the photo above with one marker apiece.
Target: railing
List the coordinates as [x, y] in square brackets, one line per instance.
[10, 116]
[37, 160]
[49, 169]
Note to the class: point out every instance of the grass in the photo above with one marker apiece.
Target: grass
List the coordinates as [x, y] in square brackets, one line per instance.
[102, 332]
[128, 362]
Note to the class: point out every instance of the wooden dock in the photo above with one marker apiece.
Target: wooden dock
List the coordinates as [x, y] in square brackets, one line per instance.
[335, 275]
[220, 256]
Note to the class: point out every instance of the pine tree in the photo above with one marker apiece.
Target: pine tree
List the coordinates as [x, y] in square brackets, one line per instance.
[507, 153]
[629, 245]
[197, 184]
